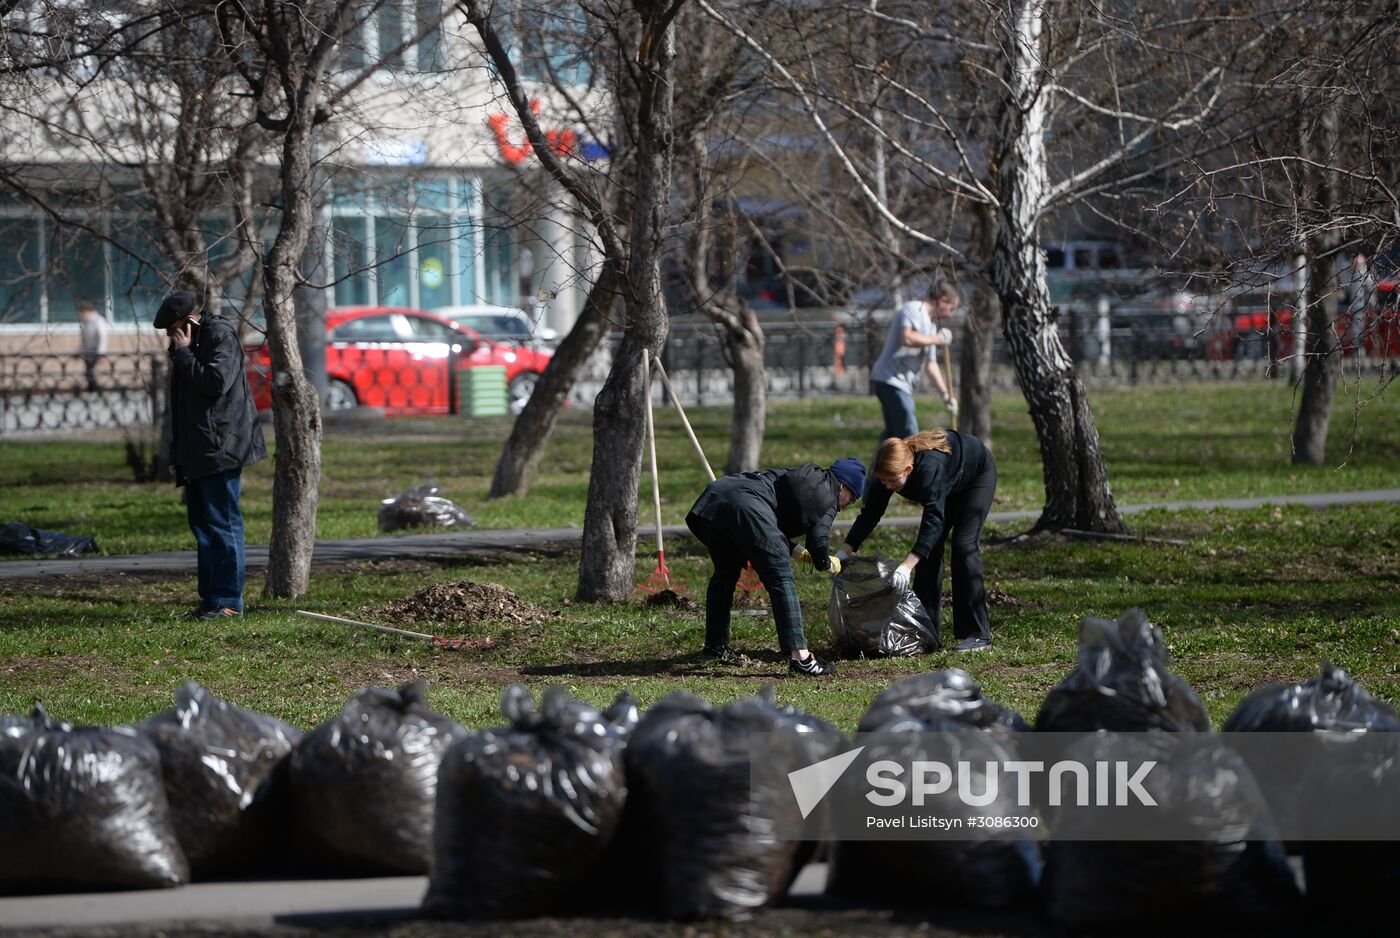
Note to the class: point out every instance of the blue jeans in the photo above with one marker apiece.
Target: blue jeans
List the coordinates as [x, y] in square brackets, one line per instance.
[212, 505]
[898, 408]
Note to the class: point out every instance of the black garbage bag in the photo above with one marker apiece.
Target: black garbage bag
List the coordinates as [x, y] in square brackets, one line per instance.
[421, 506]
[1121, 684]
[1353, 880]
[83, 808]
[17, 538]
[1215, 860]
[526, 813]
[1332, 700]
[978, 872]
[938, 702]
[694, 826]
[218, 763]
[869, 617]
[362, 785]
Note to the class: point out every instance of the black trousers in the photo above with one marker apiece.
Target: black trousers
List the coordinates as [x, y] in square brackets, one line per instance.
[739, 537]
[963, 517]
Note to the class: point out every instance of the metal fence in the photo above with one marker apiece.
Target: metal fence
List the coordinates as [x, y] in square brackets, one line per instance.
[62, 392]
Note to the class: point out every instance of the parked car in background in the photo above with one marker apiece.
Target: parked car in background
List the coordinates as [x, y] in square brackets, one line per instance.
[403, 360]
[504, 324]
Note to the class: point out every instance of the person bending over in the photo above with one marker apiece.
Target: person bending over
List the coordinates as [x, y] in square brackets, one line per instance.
[953, 476]
[754, 517]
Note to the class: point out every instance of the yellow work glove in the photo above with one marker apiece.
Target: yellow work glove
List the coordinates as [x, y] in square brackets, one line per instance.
[800, 555]
[835, 567]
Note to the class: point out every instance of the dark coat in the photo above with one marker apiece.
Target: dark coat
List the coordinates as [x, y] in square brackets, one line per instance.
[936, 476]
[214, 421]
[798, 502]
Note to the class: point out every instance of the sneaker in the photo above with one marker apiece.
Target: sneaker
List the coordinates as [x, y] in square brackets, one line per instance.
[973, 643]
[722, 653]
[198, 612]
[224, 613]
[812, 666]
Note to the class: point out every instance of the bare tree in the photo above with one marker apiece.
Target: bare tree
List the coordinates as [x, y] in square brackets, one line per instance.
[647, 32]
[1066, 76]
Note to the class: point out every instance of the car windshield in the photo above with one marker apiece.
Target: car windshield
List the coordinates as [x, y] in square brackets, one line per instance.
[366, 329]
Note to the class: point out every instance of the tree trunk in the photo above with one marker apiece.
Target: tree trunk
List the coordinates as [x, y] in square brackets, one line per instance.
[1076, 479]
[743, 342]
[520, 458]
[607, 567]
[975, 355]
[1321, 365]
[296, 409]
[721, 304]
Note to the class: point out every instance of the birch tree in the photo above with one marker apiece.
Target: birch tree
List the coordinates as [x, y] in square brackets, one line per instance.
[1081, 112]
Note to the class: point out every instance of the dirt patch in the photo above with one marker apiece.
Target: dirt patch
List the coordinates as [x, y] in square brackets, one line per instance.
[996, 597]
[461, 602]
[670, 599]
[36, 671]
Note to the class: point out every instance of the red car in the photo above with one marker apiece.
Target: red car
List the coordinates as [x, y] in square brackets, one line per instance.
[399, 358]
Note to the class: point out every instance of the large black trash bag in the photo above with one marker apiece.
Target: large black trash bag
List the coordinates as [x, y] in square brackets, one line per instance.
[421, 506]
[694, 826]
[526, 813]
[218, 762]
[83, 808]
[1230, 872]
[869, 617]
[983, 873]
[18, 538]
[1330, 701]
[938, 702]
[1355, 880]
[362, 785]
[1121, 684]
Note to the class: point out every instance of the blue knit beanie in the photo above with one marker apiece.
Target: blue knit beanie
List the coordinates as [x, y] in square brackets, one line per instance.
[850, 472]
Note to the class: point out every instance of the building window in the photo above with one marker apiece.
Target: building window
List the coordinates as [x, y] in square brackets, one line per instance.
[414, 244]
[398, 34]
[21, 277]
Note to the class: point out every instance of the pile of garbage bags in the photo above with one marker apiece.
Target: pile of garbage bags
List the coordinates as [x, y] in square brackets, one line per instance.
[870, 617]
[421, 506]
[576, 807]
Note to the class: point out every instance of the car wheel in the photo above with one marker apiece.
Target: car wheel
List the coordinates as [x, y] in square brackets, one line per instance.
[521, 389]
[340, 396]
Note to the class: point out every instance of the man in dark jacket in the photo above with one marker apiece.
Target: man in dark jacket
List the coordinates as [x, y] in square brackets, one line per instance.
[215, 434]
[754, 517]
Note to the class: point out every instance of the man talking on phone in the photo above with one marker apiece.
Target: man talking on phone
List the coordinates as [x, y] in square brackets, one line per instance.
[215, 434]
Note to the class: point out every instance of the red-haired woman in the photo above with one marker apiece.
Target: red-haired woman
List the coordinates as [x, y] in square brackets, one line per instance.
[953, 476]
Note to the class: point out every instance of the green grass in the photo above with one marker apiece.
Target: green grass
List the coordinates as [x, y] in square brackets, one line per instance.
[1206, 441]
[1258, 595]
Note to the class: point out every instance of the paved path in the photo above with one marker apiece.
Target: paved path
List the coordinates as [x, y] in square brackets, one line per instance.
[253, 903]
[454, 544]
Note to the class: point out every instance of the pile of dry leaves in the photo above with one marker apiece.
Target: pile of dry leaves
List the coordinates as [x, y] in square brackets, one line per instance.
[462, 601]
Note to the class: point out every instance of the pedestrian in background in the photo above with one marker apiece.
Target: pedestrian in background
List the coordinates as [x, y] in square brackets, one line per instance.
[954, 477]
[909, 348]
[215, 434]
[753, 517]
[92, 331]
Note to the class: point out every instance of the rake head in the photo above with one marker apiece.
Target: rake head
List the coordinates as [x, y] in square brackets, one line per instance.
[661, 578]
[749, 580]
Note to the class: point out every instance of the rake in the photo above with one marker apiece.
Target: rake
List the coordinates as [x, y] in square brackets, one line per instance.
[948, 367]
[451, 644]
[748, 580]
[660, 578]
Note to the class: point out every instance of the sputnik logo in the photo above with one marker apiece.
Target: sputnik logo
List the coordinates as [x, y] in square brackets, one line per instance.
[810, 784]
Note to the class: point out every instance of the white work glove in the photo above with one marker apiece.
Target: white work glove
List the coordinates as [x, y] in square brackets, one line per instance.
[945, 336]
[835, 567]
[899, 579]
[952, 404]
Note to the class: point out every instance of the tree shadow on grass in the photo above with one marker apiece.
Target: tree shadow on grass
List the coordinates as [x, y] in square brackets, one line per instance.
[760, 664]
